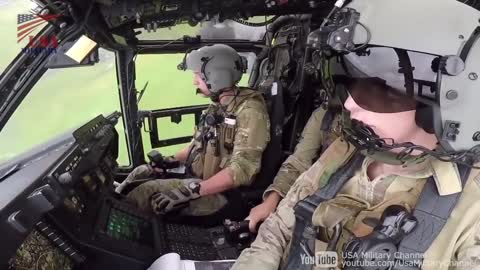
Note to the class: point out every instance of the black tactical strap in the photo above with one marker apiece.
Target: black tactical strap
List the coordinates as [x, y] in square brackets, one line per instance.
[327, 120]
[304, 234]
[190, 157]
[432, 212]
[194, 151]
[325, 126]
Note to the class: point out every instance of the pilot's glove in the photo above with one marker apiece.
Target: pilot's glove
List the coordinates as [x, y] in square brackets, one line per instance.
[174, 199]
[141, 173]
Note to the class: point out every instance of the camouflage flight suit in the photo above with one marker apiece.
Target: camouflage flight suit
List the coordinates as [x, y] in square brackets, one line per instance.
[38, 252]
[237, 143]
[316, 136]
[456, 247]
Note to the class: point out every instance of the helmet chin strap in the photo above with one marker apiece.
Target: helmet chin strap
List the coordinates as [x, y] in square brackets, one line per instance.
[370, 144]
[214, 97]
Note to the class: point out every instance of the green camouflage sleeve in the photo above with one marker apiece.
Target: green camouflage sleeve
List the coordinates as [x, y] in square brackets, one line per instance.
[468, 252]
[251, 138]
[268, 251]
[274, 235]
[306, 150]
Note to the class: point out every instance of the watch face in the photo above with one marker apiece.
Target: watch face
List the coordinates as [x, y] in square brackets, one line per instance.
[194, 187]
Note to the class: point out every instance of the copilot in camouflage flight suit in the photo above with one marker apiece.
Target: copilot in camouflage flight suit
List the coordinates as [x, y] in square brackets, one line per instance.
[236, 142]
[456, 247]
[319, 132]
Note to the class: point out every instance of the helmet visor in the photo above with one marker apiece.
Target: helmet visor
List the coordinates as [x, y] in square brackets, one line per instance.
[372, 94]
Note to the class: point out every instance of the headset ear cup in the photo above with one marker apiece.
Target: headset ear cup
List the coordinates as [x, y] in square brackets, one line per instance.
[424, 118]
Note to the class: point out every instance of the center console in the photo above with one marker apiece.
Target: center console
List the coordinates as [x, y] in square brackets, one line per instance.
[123, 229]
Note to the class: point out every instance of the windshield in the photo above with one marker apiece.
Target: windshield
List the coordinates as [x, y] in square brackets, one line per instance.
[61, 100]
[66, 98]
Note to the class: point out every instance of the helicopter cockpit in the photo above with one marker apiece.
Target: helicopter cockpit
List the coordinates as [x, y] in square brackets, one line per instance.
[58, 198]
[58, 205]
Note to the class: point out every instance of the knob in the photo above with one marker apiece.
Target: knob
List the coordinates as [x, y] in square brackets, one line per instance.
[65, 178]
[244, 235]
[101, 133]
[98, 135]
[451, 65]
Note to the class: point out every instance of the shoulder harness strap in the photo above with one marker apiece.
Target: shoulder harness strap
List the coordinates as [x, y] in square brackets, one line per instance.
[327, 120]
[304, 234]
[194, 150]
[432, 212]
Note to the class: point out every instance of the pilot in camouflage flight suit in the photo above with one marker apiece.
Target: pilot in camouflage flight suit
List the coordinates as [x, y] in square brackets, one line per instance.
[362, 198]
[374, 183]
[228, 142]
[320, 131]
[404, 178]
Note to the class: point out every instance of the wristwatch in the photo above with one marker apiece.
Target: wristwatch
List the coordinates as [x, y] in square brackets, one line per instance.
[194, 187]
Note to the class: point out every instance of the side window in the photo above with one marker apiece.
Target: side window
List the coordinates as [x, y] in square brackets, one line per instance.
[64, 99]
[167, 88]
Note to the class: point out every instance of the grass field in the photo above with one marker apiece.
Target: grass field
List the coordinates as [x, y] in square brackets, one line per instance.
[66, 98]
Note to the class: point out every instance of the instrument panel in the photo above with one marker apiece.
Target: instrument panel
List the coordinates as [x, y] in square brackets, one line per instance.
[153, 15]
[71, 204]
[66, 177]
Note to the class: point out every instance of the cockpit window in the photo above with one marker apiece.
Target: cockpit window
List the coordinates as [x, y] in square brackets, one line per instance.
[64, 99]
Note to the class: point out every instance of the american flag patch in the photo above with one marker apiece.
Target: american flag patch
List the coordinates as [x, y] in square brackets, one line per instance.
[27, 23]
